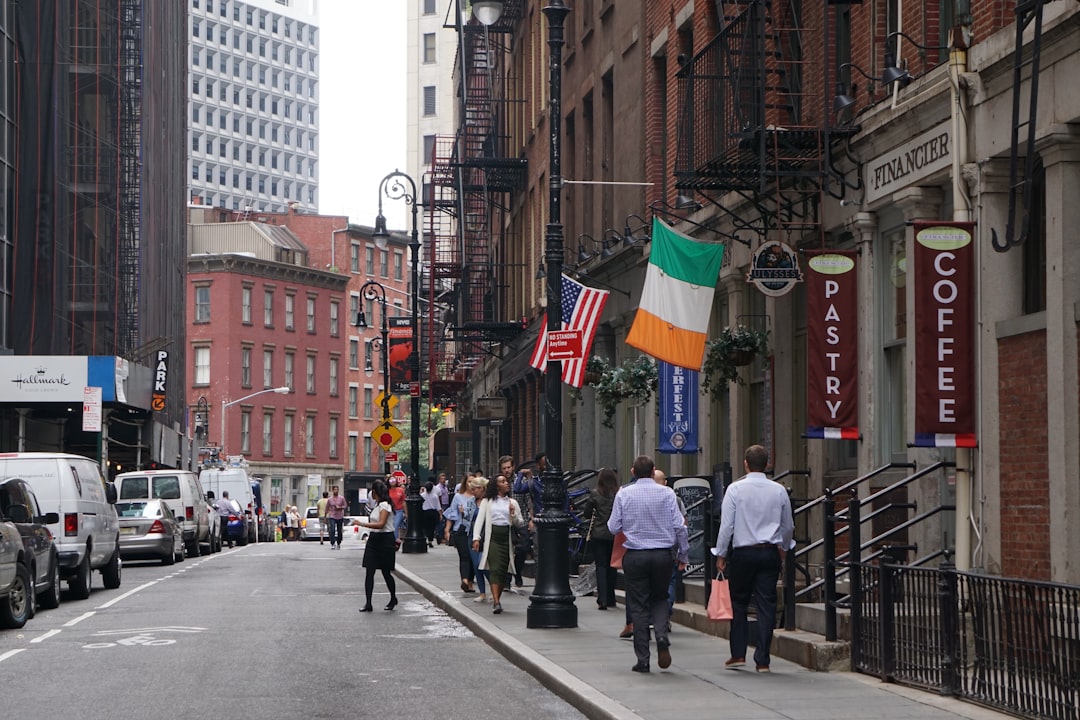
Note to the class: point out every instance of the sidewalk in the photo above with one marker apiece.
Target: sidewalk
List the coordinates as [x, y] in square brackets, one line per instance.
[589, 666]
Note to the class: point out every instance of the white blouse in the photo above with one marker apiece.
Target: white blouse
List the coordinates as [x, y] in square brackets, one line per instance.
[500, 511]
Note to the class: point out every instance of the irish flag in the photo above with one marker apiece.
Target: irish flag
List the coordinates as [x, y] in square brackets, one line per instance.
[677, 300]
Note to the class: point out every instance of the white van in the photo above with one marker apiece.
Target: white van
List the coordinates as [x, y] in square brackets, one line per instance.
[182, 492]
[234, 479]
[87, 535]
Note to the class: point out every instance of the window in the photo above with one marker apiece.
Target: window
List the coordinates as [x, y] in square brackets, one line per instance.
[309, 440]
[290, 312]
[354, 257]
[429, 7]
[398, 262]
[290, 366]
[354, 354]
[354, 400]
[268, 368]
[429, 48]
[311, 374]
[1034, 248]
[268, 308]
[893, 338]
[368, 356]
[352, 452]
[383, 260]
[429, 149]
[245, 367]
[310, 314]
[202, 304]
[332, 436]
[369, 401]
[245, 305]
[334, 389]
[335, 321]
[202, 366]
[429, 100]
[245, 431]
[287, 436]
[268, 433]
[367, 452]
[369, 260]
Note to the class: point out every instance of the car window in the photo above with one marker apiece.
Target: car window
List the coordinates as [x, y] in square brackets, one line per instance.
[313, 512]
[166, 487]
[133, 509]
[133, 488]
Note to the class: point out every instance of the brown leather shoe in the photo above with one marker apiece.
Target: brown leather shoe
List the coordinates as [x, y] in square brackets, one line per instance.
[627, 632]
[663, 657]
[735, 662]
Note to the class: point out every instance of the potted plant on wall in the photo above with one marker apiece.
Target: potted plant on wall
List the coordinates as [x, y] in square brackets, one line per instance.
[735, 347]
[635, 380]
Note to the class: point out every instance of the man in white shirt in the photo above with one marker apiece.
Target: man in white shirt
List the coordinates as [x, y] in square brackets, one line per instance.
[756, 529]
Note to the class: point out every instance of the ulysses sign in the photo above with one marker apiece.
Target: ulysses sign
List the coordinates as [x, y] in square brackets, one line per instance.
[914, 160]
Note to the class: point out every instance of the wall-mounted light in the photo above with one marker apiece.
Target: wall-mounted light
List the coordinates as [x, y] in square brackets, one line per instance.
[540, 273]
[629, 238]
[487, 12]
[893, 72]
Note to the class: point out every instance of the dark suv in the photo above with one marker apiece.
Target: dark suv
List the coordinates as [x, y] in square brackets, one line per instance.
[19, 506]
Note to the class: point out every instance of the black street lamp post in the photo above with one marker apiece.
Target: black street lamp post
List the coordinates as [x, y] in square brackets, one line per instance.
[372, 290]
[552, 602]
[392, 187]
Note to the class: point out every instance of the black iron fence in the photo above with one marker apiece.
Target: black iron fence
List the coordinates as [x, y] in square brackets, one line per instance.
[1009, 644]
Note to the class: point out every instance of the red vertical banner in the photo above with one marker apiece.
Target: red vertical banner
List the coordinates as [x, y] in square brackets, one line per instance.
[401, 347]
[832, 344]
[944, 271]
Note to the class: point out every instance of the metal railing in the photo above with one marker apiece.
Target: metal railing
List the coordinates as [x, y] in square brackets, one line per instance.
[1009, 644]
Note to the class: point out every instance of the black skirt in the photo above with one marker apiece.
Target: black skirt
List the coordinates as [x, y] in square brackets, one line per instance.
[380, 551]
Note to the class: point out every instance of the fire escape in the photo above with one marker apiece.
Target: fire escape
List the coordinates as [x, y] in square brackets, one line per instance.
[754, 135]
[471, 180]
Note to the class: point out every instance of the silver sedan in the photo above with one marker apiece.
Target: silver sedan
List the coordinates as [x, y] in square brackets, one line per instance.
[148, 529]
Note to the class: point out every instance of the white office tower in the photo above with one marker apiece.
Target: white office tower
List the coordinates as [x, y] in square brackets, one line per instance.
[253, 104]
[432, 42]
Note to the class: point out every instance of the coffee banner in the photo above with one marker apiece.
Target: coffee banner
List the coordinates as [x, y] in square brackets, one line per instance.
[944, 334]
[832, 362]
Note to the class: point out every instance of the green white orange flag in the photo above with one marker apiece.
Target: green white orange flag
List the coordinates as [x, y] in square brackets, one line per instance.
[677, 299]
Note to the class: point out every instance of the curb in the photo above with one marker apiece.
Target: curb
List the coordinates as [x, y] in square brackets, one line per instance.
[591, 702]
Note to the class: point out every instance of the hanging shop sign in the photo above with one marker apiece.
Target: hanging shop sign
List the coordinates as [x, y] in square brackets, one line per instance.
[832, 342]
[774, 268]
[161, 378]
[678, 389]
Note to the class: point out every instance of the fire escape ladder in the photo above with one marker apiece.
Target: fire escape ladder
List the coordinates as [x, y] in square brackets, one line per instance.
[130, 139]
[1015, 233]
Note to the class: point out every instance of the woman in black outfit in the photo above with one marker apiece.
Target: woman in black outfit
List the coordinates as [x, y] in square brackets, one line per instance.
[380, 551]
[597, 508]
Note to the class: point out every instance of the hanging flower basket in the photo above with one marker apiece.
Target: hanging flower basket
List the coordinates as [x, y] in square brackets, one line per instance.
[735, 347]
[635, 380]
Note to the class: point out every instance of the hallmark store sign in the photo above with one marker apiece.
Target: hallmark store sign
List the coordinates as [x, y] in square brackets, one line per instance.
[42, 378]
[916, 159]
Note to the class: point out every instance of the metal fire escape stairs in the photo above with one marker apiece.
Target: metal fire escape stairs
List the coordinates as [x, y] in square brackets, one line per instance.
[471, 179]
[1027, 12]
[750, 127]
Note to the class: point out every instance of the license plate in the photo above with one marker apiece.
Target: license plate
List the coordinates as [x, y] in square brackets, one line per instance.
[127, 531]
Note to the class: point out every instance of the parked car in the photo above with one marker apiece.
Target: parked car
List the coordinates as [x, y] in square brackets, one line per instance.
[15, 586]
[87, 531]
[149, 529]
[352, 531]
[182, 491]
[310, 524]
[235, 479]
[215, 527]
[19, 505]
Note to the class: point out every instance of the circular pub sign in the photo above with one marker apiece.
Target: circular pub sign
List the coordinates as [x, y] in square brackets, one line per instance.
[774, 268]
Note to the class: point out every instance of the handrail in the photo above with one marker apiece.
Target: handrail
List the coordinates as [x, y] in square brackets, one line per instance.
[854, 483]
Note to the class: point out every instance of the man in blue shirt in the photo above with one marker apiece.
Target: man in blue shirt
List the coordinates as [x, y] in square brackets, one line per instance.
[756, 529]
[648, 515]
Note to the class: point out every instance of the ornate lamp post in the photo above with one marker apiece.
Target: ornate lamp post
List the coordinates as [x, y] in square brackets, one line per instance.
[393, 187]
[372, 290]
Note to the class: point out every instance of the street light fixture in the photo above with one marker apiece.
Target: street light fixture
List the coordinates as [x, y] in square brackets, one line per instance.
[393, 186]
[372, 290]
[552, 602]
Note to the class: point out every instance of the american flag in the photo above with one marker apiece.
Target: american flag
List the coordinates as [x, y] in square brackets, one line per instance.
[581, 310]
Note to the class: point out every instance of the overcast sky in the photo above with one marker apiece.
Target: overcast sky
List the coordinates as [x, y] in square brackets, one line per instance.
[361, 106]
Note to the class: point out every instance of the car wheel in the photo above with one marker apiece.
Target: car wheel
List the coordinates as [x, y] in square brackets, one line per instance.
[169, 558]
[51, 598]
[15, 609]
[80, 582]
[179, 552]
[111, 572]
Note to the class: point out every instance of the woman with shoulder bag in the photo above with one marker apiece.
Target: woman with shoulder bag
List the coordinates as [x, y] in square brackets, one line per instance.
[380, 552]
[498, 511]
[597, 509]
[459, 517]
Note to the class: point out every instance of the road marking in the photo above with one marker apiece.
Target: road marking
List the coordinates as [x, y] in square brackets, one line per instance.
[167, 628]
[128, 594]
[10, 653]
[76, 621]
[46, 636]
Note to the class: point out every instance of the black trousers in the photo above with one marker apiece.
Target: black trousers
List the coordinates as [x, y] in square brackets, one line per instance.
[647, 574]
[463, 544]
[752, 573]
[605, 574]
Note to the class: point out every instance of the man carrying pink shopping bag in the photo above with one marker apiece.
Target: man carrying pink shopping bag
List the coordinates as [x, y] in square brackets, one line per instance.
[756, 528]
[719, 607]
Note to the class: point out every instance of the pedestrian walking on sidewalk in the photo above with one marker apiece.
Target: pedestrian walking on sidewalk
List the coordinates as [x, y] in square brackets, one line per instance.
[491, 536]
[596, 509]
[478, 488]
[756, 529]
[457, 532]
[335, 516]
[380, 552]
[648, 515]
[397, 501]
[432, 507]
[321, 506]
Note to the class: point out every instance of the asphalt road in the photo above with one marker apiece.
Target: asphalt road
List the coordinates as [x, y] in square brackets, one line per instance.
[266, 631]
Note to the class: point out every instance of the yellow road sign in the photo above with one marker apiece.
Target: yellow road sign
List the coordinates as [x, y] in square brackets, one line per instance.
[385, 435]
[390, 404]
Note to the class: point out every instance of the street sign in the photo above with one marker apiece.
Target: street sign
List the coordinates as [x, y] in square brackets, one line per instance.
[564, 345]
[414, 389]
[391, 403]
[390, 457]
[400, 476]
[91, 409]
[385, 435]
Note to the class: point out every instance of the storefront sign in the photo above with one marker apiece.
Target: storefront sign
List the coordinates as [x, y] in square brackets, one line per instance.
[774, 268]
[916, 159]
[161, 378]
[42, 378]
[832, 363]
[678, 409]
[944, 335]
